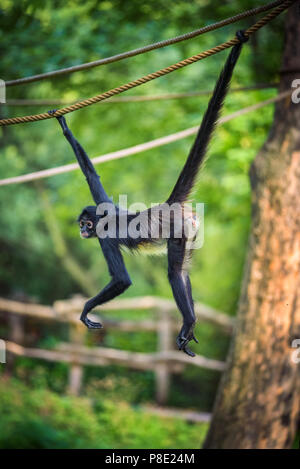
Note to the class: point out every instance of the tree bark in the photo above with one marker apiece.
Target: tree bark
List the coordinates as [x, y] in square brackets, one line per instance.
[258, 402]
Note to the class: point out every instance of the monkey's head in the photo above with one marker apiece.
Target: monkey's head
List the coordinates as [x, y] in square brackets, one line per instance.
[88, 222]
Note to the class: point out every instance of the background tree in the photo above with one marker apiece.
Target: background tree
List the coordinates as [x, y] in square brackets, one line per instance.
[258, 400]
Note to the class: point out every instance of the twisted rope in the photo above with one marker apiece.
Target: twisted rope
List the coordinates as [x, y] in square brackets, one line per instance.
[158, 142]
[150, 47]
[138, 98]
[152, 76]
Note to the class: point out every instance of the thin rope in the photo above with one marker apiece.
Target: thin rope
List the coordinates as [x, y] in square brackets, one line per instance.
[150, 47]
[152, 76]
[137, 99]
[139, 148]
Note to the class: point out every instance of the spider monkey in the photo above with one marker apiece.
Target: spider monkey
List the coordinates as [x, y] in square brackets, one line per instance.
[178, 249]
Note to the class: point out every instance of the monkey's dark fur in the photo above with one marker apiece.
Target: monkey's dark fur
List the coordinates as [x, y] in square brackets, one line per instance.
[178, 250]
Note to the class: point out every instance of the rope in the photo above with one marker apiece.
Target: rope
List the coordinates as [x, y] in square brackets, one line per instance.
[139, 148]
[148, 48]
[136, 99]
[152, 76]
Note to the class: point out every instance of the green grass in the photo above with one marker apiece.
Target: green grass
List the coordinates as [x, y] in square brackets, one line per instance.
[38, 418]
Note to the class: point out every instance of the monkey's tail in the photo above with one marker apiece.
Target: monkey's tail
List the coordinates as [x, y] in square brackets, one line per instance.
[187, 178]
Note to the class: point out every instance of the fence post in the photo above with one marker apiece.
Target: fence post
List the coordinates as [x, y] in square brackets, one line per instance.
[77, 334]
[16, 335]
[164, 344]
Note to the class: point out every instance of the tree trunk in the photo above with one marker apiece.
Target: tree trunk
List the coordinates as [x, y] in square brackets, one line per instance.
[259, 397]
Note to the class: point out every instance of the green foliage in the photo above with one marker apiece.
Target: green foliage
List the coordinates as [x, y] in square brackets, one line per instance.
[34, 419]
[39, 375]
[52, 37]
[37, 37]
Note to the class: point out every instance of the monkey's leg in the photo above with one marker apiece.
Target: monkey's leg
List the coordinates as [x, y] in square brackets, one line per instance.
[181, 288]
[119, 283]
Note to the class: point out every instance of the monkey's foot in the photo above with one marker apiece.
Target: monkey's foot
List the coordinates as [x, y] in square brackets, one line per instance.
[183, 340]
[53, 111]
[91, 324]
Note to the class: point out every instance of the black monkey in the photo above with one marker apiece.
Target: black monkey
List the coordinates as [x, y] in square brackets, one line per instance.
[94, 222]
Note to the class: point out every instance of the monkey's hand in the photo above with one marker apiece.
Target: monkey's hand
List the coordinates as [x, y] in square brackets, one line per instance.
[60, 119]
[185, 336]
[88, 323]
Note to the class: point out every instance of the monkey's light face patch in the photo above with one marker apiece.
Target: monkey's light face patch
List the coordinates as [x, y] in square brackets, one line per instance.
[84, 234]
[86, 228]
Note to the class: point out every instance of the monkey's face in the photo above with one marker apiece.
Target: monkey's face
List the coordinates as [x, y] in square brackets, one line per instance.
[88, 222]
[87, 228]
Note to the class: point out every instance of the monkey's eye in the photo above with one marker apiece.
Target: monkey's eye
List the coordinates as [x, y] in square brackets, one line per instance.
[89, 224]
[81, 223]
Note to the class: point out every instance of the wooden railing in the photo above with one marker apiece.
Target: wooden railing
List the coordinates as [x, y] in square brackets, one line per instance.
[164, 362]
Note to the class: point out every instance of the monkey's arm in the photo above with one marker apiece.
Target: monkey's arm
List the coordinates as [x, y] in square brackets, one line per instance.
[87, 167]
[120, 280]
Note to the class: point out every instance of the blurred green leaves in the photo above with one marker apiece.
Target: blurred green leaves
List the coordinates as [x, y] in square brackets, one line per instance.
[32, 419]
[37, 37]
[40, 37]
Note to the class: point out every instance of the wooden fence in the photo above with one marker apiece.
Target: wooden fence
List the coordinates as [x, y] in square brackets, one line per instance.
[164, 362]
